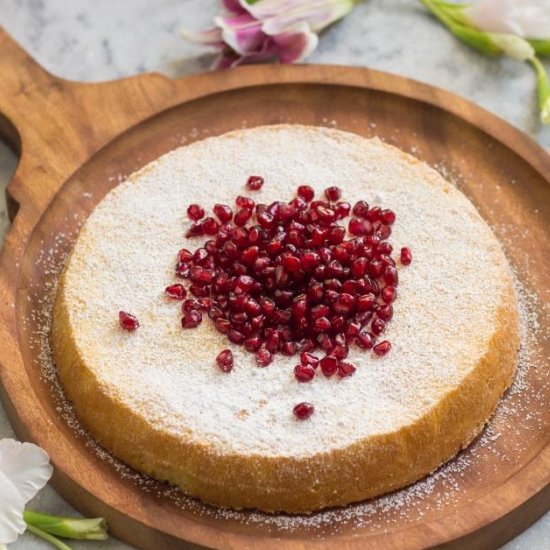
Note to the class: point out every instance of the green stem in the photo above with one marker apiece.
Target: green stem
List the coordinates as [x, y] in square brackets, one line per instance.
[70, 528]
[452, 17]
[543, 86]
[49, 538]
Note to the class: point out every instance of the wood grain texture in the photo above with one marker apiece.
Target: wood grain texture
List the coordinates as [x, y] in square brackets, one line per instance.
[76, 139]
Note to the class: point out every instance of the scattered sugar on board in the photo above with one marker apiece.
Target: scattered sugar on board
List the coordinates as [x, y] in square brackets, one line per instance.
[438, 491]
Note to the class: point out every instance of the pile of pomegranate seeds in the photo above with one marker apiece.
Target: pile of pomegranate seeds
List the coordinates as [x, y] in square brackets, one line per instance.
[287, 278]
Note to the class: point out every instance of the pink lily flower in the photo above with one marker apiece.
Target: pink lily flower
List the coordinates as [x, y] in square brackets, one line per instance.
[269, 30]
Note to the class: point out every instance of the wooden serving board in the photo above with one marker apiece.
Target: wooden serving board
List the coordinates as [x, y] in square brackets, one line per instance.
[76, 141]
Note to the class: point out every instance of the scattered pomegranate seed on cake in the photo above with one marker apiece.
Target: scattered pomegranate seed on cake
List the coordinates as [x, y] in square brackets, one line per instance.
[346, 369]
[128, 321]
[195, 212]
[302, 411]
[225, 360]
[255, 183]
[406, 256]
[191, 319]
[264, 358]
[333, 193]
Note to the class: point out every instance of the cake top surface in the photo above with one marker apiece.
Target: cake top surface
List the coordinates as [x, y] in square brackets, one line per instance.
[125, 255]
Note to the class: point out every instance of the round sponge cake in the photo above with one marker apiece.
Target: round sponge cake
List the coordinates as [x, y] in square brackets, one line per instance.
[155, 398]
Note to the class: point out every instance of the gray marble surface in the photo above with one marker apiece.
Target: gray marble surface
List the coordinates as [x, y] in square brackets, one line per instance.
[108, 39]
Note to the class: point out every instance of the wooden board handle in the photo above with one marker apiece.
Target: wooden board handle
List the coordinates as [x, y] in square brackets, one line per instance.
[40, 112]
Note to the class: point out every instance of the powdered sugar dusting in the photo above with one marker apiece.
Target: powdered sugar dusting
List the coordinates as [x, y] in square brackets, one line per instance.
[169, 377]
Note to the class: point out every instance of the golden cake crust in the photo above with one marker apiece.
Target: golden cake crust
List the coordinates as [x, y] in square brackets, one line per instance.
[368, 467]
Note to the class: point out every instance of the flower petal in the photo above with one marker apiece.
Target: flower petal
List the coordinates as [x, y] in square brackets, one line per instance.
[210, 37]
[24, 470]
[242, 33]
[234, 6]
[282, 15]
[525, 18]
[11, 511]
[295, 47]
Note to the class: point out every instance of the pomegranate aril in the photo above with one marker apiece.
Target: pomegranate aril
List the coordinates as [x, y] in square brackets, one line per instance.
[184, 255]
[382, 348]
[390, 275]
[340, 351]
[329, 365]
[191, 319]
[242, 216]
[223, 325]
[263, 357]
[360, 209]
[289, 348]
[177, 291]
[333, 193]
[195, 230]
[365, 340]
[210, 226]
[253, 344]
[389, 294]
[306, 192]
[378, 326]
[302, 411]
[304, 373]
[223, 212]
[346, 369]
[387, 217]
[195, 212]
[406, 256]
[255, 183]
[342, 209]
[245, 202]
[128, 321]
[310, 260]
[225, 360]
[309, 359]
[357, 226]
[385, 312]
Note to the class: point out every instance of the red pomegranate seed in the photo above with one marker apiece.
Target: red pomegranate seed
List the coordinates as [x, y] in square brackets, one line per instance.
[253, 344]
[191, 319]
[210, 226]
[309, 359]
[290, 263]
[302, 411]
[289, 348]
[387, 217]
[406, 256]
[389, 294]
[365, 340]
[360, 209]
[263, 357]
[177, 291]
[358, 226]
[390, 275]
[378, 326]
[310, 260]
[195, 212]
[128, 321]
[342, 209]
[184, 255]
[385, 312]
[255, 183]
[245, 202]
[242, 216]
[346, 369]
[223, 212]
[333, 193]
[225, 360]
[329, 365]
[195, 230]
[306, 192]
[304, 373]
[382, 348]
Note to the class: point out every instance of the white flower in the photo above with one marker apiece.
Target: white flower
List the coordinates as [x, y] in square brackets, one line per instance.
[525, 18]
[24, 470]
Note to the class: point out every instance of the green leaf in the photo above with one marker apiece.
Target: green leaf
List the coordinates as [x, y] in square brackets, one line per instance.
[69, 528]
